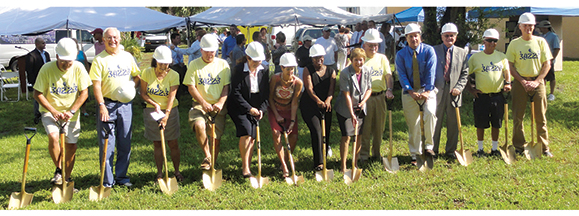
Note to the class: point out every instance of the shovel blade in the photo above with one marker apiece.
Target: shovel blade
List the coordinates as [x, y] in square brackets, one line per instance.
[533, 150]
[464, 157]
[99, 192]
[19, 200]
[424, 162]
[295, 180]
[327, 177]
[391, 165]
[508, 153]
[168, 186]
[258, 182]
[63, 193]
[212, 179]
[351, 176]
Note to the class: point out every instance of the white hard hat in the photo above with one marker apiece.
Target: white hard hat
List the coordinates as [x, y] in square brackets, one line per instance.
[527, 18]
[66, 49]
[372, 36]
[125, 93]
[411, 28]
[255, 51]
[209, 43]
[449, 27]
[491, 33]
[317, 50]
[288, 60]
[163, 55]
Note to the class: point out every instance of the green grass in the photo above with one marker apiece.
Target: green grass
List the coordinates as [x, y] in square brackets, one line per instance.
[488, 183]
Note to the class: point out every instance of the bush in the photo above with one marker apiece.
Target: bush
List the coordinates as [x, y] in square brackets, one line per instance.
[131, 45]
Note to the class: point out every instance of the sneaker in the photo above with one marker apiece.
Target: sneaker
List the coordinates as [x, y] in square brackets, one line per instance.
[128, 184]
[206, 164]
[330, 151]
[57, 179]
[548, 154]
[481, 153]
[551, 97]
[495, 153]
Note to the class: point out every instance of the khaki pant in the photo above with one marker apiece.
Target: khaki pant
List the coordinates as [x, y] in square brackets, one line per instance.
[519, 105]
[412, 116]
[196, 113]
[374, 124]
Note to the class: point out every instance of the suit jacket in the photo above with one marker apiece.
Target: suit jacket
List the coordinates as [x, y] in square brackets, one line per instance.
[458, 70]
[33, 64]
[349, 82]
[238, 99]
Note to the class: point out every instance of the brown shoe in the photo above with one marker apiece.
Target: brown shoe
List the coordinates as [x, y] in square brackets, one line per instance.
[206, 164]
[431, 152]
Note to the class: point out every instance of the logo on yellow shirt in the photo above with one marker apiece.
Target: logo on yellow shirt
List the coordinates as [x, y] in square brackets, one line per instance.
[529, 55]
[209, 80]
[158, 91]
[492, 67]
[119, 72]
[65, 89]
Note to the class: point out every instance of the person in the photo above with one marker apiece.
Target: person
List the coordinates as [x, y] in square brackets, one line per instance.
[356, 36]
[351, 109]
[284, 96]
[342, 42]
[238, 53]
[113, 72]
[382, 84]
[389, 47]
[279, 50]
[99, 44]
[222, 36]
[208, 81]
[303, 56]
[265, 39]
[529, 62]
[363, 29]
[81, 57]
[61, 88]
[330, 46]
[178, 63]
[319, 83]
[257, 37]
[451, 78]
[397, 34]
[381, 45]
[554, 44]
[248, 100]
[229, 43]
[159, 84]
[418, 87]
[35, 59]
[490, 69]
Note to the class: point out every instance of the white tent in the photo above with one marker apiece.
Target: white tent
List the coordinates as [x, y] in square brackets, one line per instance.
[22, 20]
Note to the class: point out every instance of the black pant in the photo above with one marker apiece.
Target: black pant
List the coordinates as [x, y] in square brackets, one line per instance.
[182, 70]
[313, 119]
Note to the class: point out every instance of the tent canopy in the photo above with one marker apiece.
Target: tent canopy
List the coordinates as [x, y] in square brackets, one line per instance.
[279, 16]
[497, 12]
[413, 14]
[20, 20]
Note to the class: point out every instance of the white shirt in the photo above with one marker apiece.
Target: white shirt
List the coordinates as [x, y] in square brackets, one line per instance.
[331, 47]
[254, 88]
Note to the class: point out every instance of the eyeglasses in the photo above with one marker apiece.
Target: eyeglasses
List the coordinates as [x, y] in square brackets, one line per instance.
[491, 40]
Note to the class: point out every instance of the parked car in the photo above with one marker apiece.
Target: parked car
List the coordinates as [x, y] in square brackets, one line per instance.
[152, 41]
[313, 32]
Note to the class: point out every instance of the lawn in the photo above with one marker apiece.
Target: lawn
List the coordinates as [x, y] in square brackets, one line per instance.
[487, 184]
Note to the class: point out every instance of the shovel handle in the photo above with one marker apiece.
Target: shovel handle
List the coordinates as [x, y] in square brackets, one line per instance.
[29, 129]
[455, 100]
[162, 131]
[26, 156]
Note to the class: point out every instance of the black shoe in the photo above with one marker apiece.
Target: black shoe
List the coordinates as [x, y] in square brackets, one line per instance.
[548, 154]
[37, 119]
[451, 156]
[495, 153]
[481, 153]
[319, 168]
[519, 152]
[431, 152]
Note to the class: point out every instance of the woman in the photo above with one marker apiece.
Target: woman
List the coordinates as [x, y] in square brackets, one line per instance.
[284, 95]
[319, 82]
[355, 89]
[159, 86]
[342, 41]
[248, 100]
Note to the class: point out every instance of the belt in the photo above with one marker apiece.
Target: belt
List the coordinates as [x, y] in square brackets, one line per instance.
[492, 94]
[529, 78]
[377, 93]
[110, 100]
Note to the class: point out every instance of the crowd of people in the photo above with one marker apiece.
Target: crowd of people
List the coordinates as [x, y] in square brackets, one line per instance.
[432, 80]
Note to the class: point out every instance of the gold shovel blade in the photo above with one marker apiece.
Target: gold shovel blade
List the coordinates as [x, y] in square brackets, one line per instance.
[168, 186]
[258, 182]
[533, 150]
[327, 177]
[99, 192]
[19, 200]
[352, 176]
[424, 163]
[391, 166]
[295, 180]
[63, 193]
[212, 179]
[508, 153]
[464, 158]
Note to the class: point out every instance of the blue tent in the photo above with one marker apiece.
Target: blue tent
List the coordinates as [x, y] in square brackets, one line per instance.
[497, 12]
[413, 14]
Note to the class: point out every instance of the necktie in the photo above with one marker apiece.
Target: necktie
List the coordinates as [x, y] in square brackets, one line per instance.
[415, 72]
[447, 66]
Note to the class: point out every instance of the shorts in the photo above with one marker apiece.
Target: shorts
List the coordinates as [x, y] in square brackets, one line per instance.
[286, 114]
[551, 74]
[197, 114]
[346, 126]
[152, 131]
[489, 109]
[71, 130]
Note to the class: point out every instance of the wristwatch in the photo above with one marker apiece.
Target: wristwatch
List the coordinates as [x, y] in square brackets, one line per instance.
[73, 111]
[507, 83]
[102, 103]
[389, 89]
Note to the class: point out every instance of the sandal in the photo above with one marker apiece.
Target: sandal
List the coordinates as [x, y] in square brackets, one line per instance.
[319, 168]
[178, 176]
[159, 176]
[247, 175]
[206, 165]
[286, 175]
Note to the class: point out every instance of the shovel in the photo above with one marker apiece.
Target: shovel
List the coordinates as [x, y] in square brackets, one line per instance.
[352, 175]
[325, 174]
[167, 185]
[294, 179]
[424, 162]
[390, 163]
[100, 192]
[22, 199]
[62, 193]
[259, 181]
[507, 152]
[464, 156]
[212, 178]
[533, 150]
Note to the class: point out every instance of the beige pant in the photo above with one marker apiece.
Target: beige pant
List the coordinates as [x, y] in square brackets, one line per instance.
[519, 105]
[71, 130]
[374, 124]
[412, 116]
[196, 113]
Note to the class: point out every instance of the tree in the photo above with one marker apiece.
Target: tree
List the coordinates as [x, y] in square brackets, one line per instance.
[181, 11]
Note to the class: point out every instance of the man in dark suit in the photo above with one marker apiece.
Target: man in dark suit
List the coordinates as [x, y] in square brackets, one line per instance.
[34, 61]
[451, 78]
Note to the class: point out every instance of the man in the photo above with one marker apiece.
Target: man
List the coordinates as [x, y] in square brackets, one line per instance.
[111, 73]
[222, 36]
[330, 47]
[529, 61]
[303, 55]
[178, 65]
[363, 29]
[238, 52]
[208, 80]
[389, 47]
[416, 66]
[34, 61]
[229, 42]
[554, 44]
[99, 45]
[61, 89]
[491, 72]
[356, 36]
[382, 84]
[259, 37]
[279, 50]
[451, 78]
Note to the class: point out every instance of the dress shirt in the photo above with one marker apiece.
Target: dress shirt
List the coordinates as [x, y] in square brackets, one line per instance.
[427, 66]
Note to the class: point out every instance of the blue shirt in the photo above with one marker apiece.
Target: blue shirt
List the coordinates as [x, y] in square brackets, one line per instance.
[228, 46]
[426, 63]
[552, 39]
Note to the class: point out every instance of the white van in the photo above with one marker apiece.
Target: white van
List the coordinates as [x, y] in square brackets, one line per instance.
[14, 46]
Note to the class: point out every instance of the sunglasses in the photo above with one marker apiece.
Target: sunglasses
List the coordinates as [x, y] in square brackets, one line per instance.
[491, 40]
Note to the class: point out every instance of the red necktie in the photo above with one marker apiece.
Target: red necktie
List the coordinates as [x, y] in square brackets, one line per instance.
[447, 66]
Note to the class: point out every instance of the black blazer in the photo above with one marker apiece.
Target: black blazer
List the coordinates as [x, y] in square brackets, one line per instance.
[33, 64]
[238, 100]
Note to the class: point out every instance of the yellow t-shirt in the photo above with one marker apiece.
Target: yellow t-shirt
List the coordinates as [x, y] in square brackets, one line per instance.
[61, 89]
[529, 56]
[209, 79]
[488, 70]
[158, 90]
[113, 71]
[379, 68]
